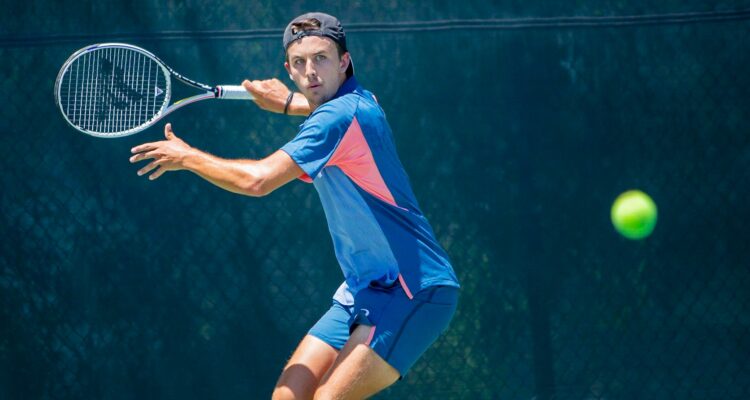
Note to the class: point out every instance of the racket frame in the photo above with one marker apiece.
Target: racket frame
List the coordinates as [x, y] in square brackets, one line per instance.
[229, 92]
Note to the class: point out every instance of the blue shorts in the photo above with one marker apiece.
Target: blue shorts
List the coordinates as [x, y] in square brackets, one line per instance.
[401, 328]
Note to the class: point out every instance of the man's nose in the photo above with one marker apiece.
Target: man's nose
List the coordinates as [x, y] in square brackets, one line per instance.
[310, 69]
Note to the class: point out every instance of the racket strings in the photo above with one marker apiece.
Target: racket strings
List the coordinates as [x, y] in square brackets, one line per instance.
[112, 90]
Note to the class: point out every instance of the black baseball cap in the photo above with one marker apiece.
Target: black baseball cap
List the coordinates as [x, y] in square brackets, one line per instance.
[330, 27]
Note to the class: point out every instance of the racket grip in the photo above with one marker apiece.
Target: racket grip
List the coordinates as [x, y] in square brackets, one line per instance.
[231, 92]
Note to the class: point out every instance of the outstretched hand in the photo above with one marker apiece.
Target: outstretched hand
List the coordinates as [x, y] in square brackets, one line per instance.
[167, 155]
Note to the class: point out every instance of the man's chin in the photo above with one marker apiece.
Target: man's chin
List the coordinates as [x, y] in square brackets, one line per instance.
[317, 98]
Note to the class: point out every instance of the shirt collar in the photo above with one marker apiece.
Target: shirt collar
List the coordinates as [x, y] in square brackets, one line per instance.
[350, 85]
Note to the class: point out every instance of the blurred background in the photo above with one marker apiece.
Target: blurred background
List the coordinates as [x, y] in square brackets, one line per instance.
[519, 122]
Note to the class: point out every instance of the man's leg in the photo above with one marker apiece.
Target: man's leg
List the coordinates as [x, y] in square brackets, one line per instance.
[304, 371]
[358, 371]
[405, 329]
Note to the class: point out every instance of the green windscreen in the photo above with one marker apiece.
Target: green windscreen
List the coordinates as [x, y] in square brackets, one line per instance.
[519, 123]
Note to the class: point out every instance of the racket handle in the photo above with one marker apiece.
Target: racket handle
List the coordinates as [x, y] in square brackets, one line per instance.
[231, 92]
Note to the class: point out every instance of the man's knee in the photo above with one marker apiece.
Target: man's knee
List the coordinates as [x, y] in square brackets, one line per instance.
[302, 374]
[325, 393]
[296, 382]
[283, 393]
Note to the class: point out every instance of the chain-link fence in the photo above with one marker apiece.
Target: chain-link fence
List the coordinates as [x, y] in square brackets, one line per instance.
[517, 137]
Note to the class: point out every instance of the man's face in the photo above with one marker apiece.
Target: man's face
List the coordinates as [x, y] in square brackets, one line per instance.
[313, 64]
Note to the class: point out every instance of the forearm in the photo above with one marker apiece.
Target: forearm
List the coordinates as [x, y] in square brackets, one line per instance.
[237, 176]
[299, 105]
[248, 177]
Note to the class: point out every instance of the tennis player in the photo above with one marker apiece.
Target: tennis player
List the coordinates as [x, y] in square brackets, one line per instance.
[399, 291]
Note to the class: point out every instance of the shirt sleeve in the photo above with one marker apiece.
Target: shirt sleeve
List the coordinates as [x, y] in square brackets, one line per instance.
[318, 139]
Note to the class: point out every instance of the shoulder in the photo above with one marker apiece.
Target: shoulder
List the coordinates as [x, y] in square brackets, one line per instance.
[336, 112]
[344, 105]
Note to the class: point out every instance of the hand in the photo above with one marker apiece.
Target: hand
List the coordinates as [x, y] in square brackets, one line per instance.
[168, 155]
[270, 94]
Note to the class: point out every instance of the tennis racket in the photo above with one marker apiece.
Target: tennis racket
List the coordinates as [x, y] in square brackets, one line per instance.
[114, 89]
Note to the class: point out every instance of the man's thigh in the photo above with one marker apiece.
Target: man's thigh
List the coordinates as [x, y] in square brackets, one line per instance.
[358, 372]
[314, 355]
[392, 332]
[305, 369]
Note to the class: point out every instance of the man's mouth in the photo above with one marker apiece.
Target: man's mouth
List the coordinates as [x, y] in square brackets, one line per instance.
[313, 85]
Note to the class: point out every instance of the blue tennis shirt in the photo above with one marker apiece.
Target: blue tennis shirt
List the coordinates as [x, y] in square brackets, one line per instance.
[380, 236]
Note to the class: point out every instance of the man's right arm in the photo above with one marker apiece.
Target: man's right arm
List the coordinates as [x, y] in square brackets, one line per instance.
[248, 177]
[271, 95]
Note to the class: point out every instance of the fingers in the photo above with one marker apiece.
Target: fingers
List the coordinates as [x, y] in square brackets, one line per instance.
[255, 88]
[264, 87]
[148, 147]
[269, 94]
[155, 151]
[257, 91]
[159, 172]
[143, 156]
[144, 147]
[148, 168]
[248, 86]
[168, 133]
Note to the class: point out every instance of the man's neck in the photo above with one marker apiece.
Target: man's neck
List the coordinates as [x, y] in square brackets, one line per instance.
[342, 79]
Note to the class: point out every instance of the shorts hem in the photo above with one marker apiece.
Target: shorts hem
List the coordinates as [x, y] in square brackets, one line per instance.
[327, 340]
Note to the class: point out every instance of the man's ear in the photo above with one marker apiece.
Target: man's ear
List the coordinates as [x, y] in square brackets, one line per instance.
[288, 69]
[344, 62]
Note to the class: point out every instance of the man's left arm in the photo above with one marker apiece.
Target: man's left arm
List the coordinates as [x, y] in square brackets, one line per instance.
[248, 177]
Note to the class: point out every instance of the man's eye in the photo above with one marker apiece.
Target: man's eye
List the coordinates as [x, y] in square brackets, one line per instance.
[298, 61]
[320, 57]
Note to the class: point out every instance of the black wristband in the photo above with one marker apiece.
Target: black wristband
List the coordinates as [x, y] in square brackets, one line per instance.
[288, 102]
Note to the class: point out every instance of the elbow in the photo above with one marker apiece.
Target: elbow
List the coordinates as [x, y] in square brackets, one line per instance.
[256, 187]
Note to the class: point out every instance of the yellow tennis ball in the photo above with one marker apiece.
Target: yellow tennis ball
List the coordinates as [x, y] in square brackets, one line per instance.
[634, 214]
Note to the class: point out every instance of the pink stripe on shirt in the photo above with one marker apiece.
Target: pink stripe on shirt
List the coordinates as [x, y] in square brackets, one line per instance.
[354, 157]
